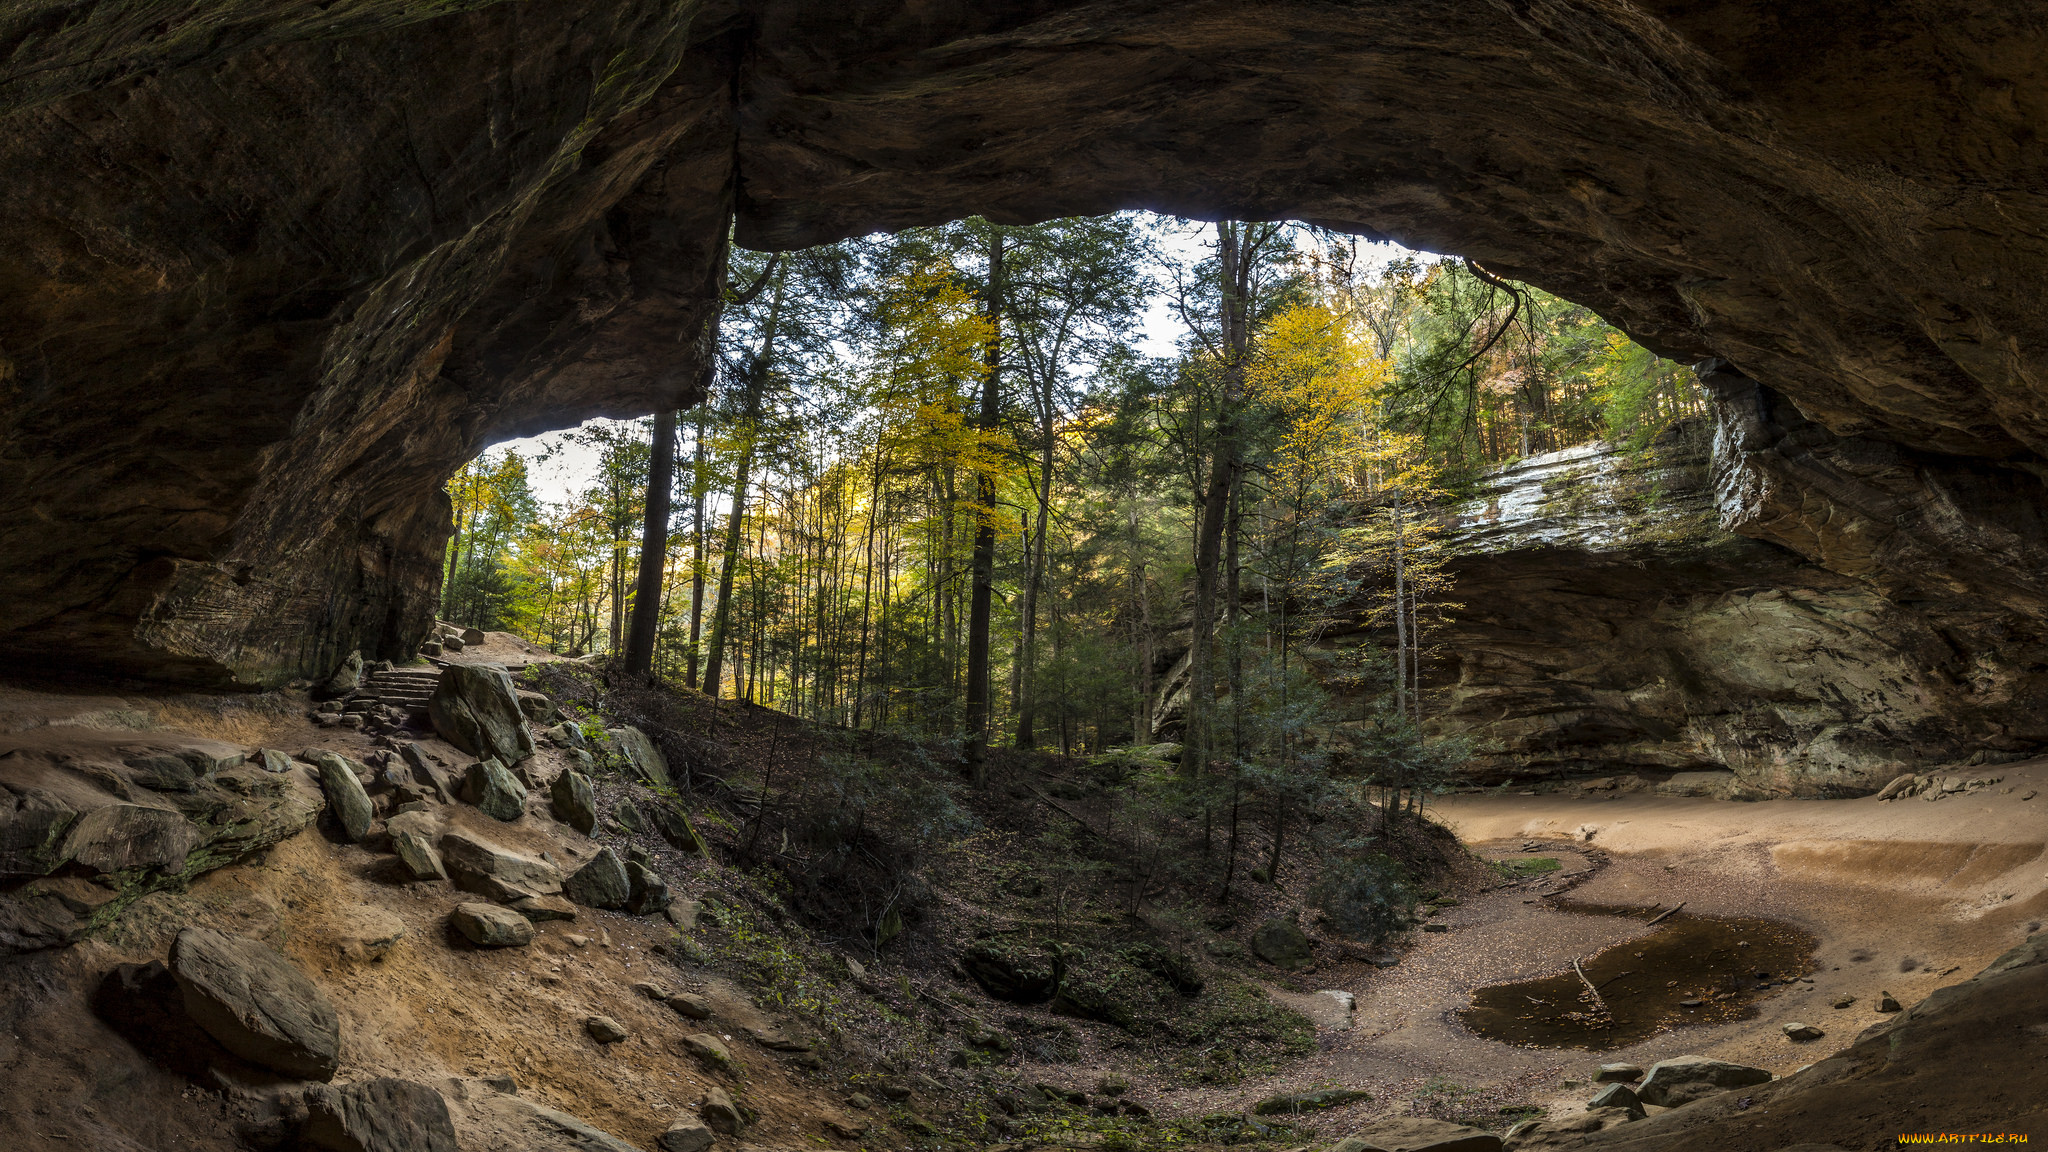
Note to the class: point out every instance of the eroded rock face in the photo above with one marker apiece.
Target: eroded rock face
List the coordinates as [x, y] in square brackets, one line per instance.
[281, 271]
[1611, 624]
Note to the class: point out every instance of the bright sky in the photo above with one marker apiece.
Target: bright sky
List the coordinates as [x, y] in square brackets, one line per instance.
[572, 466]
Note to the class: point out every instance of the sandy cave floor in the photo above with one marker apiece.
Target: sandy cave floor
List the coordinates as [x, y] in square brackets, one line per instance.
[1940, 888]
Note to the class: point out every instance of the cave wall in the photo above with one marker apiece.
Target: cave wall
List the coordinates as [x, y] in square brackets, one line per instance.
[1613, 622]
[273, 269]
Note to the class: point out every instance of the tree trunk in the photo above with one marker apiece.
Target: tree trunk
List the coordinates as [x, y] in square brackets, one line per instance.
[661, 474]
[1200, 744]
[697, 535]
[1027, 651]
[976, 736]
[757, 386]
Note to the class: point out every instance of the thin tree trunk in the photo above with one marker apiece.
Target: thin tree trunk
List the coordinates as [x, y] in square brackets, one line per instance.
[661, 469]
[757, 385]
[697, 553]
[976, 736]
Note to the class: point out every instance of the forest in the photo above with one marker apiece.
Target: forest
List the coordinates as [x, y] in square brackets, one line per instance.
[941, 488]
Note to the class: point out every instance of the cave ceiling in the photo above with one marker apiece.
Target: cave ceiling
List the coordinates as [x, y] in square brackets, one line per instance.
[272, 270]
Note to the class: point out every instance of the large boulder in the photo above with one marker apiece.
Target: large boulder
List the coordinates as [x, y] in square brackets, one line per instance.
[573, 802]
[479, 866]
[32, 827]
[639, 756]
[1683, 1079]
[1014, 972]
[120, 837]
[1281, 943]
[412, 838]
[340, 779]
[382, 1115]
[647, 890]
[475, 708]
[257, 1003]
[493, 789]
[600, 883]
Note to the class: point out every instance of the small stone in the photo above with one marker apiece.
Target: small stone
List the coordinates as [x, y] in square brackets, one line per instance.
[489, 926]
[368, 933]
[861, 1101]
[691, 1005]
[502, 1082]
[628, 816]
[577, 938]
[600, 883]
[846, 1129]
[1617, 1096]
[604, 1029]
[1618, 1073]
[652, 991]
[344, 787]
[1886, 1003]
[1689, 1003]
[1800, 1033]
[1282, 943]
[272, 760]
[1843, 1001]
[494, 790]
[686, 1136]
[1436, 927]
[414, 845]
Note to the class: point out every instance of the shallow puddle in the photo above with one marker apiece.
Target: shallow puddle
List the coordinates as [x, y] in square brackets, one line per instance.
[1689, 970]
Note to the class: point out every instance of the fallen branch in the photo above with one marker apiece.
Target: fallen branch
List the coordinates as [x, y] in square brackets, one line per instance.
[1062, 810]
[1662, 916]
[1592, 995]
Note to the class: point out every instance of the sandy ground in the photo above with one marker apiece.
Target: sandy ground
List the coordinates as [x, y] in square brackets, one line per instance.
[1903, 896]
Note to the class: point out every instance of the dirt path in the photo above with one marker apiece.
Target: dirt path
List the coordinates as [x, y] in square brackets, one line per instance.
[1903, 896]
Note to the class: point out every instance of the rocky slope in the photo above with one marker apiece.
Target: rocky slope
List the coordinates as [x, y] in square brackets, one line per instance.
[280, 267]
[1610, 622]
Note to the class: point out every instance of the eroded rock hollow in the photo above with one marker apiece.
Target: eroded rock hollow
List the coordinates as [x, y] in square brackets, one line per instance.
[273, 270]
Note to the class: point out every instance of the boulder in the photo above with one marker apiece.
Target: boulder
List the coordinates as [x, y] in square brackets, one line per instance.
[710, 1051]
[1618, 1074]
[641, 758]
[1617, 1096]
[118, 837]
[1418, 1134]
[475, 708]
[32, 827]
[721, 1113]
[628, 816]
[604, 1029]
[536, 706]
[647, 890]
[1684, 1079]
[416, 851]
[1887, 1003]
[345, 679]
[479, 866]
[256, 1003]
[472, 636]
[522, 1125]
[490, 926]
[382, 1115]
[426, 771]
[1297, 1102]
[573, 802]
[1008, 971]
[1842, 1001]
[686, 1135]
[162, 773]
[539, 908]
[271, 760]
[495, 791]
[601, 882]
[567, 735]
[367, 932]
[1281, 943]
[342, 779]
[690, 1005]
[675, 827]
[430, 647]
[1802, 1033]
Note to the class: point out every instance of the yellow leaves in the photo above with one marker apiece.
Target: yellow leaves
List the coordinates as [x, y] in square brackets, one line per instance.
[1311, 367]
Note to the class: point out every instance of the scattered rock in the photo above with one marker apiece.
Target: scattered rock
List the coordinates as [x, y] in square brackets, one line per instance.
[256, 1003]
[1801, 1033]
[1885, 1003]
[1684, 1079]
[490, 926]
[534, 1127]
[539, 908]
[1618, 1073]
[383, 1115]
[709, 1050]
[846, 1129]
[495, 791]
[430, 647]
[604, 1029]
[479, 866]
[567, 735]
[162, 773]
[647, 890]
[1617, 1096]
[474, 708]
[1298, 1102]
[1436, 927]
[573, 802]
[652, 991]
[341, 779]
[412, 839]
[675, 827]
[536, 706]
[1282, 943]
[601, 882]
[367, 933]
[1843, 1001]
[642, 758]
[690, 1005]
[1418, 1134]
[721, 1113]
[271, 760]
[346, 679]
[686, 1136]
[628, 816]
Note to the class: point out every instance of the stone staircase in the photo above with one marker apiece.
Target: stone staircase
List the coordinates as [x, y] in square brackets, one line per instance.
[403, 688]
